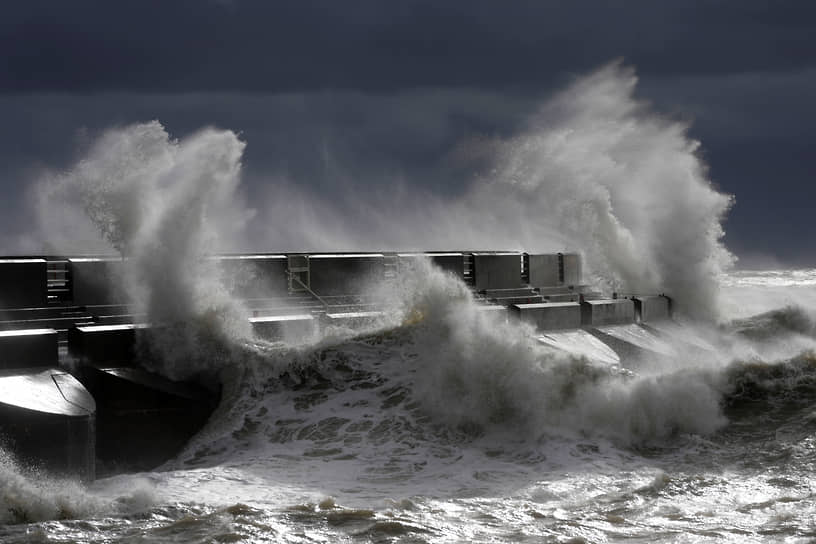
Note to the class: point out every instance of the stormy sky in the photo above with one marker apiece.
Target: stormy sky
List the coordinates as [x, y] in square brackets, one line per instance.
[369, 92]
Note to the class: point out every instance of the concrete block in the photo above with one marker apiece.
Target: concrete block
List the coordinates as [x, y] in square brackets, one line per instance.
[496, 270]
[28, 348]
[543, 270]
[571, 272]
[550, 316]
[345, 274]
[23, 283]
[254, 276]
[110, 345]
[607, 312]
[652, 308]
[291, 328]
[97, 281]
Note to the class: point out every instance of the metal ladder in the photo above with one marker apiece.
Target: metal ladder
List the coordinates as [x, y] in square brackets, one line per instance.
[390, 267]
[297, 273]
[58, 280]
[470, 277]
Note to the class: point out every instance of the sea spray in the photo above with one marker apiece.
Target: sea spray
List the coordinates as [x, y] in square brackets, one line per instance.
[595, 169]
[599, 171]
[483, 372]
[165, 205]
[28, 495]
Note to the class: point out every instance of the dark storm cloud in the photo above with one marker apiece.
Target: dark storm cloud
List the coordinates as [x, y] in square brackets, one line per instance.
[380, 46]
[756, 131]
[333, 95]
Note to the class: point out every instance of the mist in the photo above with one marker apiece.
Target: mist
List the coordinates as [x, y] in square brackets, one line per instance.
[594, 170]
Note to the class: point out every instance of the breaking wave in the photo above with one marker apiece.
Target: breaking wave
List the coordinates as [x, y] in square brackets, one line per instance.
[438, 395]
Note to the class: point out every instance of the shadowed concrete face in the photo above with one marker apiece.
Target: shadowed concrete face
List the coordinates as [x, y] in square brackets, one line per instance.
[47, 417]
[28, 348]
[23, 283]
[607, 312]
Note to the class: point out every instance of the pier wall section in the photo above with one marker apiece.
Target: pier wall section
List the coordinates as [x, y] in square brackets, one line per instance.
[97, 281]
[23, 283]
[453, 263]
[571, 268]
[543, 270]
[253, 276]
[496, 271]
[344, 274]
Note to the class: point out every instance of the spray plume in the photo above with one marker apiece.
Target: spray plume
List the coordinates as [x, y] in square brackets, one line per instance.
[596, 170]
[164, 205]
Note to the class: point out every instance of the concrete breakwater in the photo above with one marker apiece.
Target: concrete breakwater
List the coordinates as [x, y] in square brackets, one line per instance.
[74, 396]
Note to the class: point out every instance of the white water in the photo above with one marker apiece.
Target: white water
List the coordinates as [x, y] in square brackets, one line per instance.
[458, 427]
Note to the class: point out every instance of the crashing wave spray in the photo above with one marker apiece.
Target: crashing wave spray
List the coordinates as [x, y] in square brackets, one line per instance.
[600, 171]
[596, 170]
[165, 204]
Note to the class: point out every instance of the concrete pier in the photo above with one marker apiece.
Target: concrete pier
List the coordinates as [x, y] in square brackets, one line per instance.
[143, 418]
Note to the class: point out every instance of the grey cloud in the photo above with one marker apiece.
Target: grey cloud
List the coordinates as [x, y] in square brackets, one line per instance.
[370, 45]
[336, 143]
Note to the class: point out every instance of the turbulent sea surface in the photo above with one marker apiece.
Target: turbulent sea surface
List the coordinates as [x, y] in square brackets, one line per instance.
[454, 427]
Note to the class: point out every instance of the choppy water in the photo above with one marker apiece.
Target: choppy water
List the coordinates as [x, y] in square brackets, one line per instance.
[457, 428]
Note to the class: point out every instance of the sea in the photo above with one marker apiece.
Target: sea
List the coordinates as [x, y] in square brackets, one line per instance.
[445, 423]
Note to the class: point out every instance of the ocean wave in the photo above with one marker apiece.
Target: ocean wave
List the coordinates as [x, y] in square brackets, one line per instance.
[775, 324]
